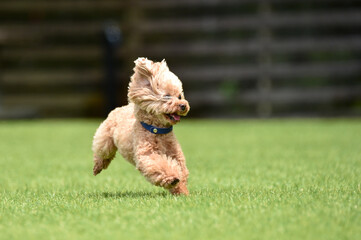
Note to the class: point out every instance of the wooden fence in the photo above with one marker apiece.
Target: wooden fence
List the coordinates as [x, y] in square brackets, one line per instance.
[236, 58]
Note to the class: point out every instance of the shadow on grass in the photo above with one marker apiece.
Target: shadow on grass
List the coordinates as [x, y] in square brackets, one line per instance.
[128, 194]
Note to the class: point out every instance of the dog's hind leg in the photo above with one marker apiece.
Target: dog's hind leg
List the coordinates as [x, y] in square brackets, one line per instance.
[103, 147]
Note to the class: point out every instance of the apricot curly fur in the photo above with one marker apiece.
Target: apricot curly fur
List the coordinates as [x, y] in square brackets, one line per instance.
[155, 97]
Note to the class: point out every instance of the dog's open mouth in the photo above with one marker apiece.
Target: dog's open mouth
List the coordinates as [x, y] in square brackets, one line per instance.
[173, 117]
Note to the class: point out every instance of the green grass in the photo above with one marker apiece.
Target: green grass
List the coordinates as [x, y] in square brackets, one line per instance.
[279, 179]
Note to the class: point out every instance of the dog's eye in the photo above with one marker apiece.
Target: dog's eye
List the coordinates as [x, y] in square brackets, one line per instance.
[180, 96]
[167, 96]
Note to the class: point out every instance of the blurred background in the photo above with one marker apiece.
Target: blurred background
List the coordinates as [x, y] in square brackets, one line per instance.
[236, 58]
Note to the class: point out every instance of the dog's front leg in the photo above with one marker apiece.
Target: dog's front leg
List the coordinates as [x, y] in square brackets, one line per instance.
[159, 169]
[181, 188]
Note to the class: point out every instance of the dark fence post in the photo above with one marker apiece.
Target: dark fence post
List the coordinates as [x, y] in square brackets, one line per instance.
[264, 82]
[112, 39]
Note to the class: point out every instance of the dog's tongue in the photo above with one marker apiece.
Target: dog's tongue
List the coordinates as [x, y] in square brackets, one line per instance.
[176, 117]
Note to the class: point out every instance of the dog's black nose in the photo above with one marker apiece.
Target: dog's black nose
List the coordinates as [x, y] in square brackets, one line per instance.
[182, 106]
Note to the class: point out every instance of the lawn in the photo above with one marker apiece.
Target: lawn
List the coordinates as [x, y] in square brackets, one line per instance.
[249, 179]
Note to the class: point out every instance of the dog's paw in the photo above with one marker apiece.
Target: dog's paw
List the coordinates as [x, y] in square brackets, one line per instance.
[97, 169]
[180, 189]
[174, 182]
[169, 182]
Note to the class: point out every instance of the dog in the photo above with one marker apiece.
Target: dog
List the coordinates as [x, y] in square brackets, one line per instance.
[142, 130]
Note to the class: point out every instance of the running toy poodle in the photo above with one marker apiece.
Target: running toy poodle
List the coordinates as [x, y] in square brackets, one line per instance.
[142, 130]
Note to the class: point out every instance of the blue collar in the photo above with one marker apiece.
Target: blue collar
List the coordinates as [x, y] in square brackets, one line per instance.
[156, 130]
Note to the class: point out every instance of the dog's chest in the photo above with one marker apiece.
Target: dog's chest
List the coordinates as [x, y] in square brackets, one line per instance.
[163, 144]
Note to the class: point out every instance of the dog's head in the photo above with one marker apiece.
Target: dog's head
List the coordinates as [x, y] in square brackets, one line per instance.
[157, 91]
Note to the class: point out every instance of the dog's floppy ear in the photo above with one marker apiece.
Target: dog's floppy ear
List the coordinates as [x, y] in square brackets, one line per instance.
[143, 68]
[142, 81]
[159, 67]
